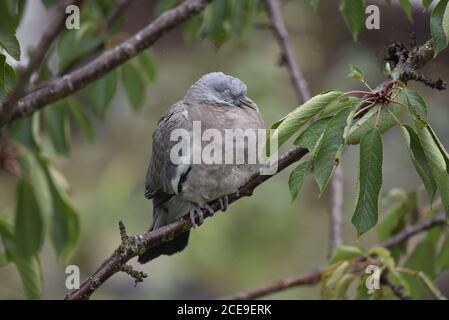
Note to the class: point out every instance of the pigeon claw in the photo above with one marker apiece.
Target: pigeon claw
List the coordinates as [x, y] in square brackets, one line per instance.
[224, 203]
[192, 217]
[209, 209]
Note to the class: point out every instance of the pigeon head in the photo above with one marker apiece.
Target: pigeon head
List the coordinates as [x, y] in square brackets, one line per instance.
[217, 87]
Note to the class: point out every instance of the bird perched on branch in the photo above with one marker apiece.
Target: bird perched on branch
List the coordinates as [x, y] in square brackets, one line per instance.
[217, 101]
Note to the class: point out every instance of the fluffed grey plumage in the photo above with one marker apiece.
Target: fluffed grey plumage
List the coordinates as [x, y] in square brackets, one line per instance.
[219, 101]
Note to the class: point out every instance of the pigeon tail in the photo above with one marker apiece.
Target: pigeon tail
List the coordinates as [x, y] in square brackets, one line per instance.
[168, 248]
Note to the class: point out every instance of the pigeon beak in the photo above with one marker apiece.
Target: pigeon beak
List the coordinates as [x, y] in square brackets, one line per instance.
[247, 102]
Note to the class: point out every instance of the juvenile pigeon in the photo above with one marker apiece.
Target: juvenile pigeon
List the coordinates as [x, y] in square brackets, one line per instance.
[219, 101]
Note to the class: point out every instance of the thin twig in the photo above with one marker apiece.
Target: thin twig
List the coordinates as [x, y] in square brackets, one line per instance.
[310, 278]
[287, 52]
[302, 90]
[115, 12]
[438, 219]
[81, 77]
[398, 290]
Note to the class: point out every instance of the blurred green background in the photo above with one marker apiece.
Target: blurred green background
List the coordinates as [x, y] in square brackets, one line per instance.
[259, 239]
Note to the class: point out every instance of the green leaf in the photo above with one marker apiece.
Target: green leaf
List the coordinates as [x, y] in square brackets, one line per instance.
[102, 91]
[309, 137]
[29, 223]
[439, 26]
[344, 252]
[298, 117]
[65, 227]
[385, 256]
[440, 146]
[36, 175]
[338, 105]
[216, 22]
[134, 86]
[164, 5]
[416, 106]
[327, 158]
[241, 14]
[6, 240]
[331, 279]
[26, 131]
[70, 47]
[146, 61]
[353, 13]
[7, 236]
[314, 4]
[408, 8]
[10, 43]
[426, 3]
[442, 258]
[7, 21]
[369, 182]
[419, 160]
[355, 73]
[28, 267]
[422, 258]
[57, 124]
[9, 80]
[298, 175]
[437, 164]
[393, 221]
[343, 285]
[31, 274]
[192, 28]
[81, 118]
[388, 261]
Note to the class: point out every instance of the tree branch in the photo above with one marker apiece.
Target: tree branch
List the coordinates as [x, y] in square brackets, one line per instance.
[79, 78]
[398, 290]
[314, 277]
[302, 90]
[55, 28]
[310, 278]
[287, 52]
[410, 231]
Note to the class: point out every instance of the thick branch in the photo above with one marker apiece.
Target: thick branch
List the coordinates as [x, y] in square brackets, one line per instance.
[36, 59]
[287, 52]
[78, 79]
[133, 246]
